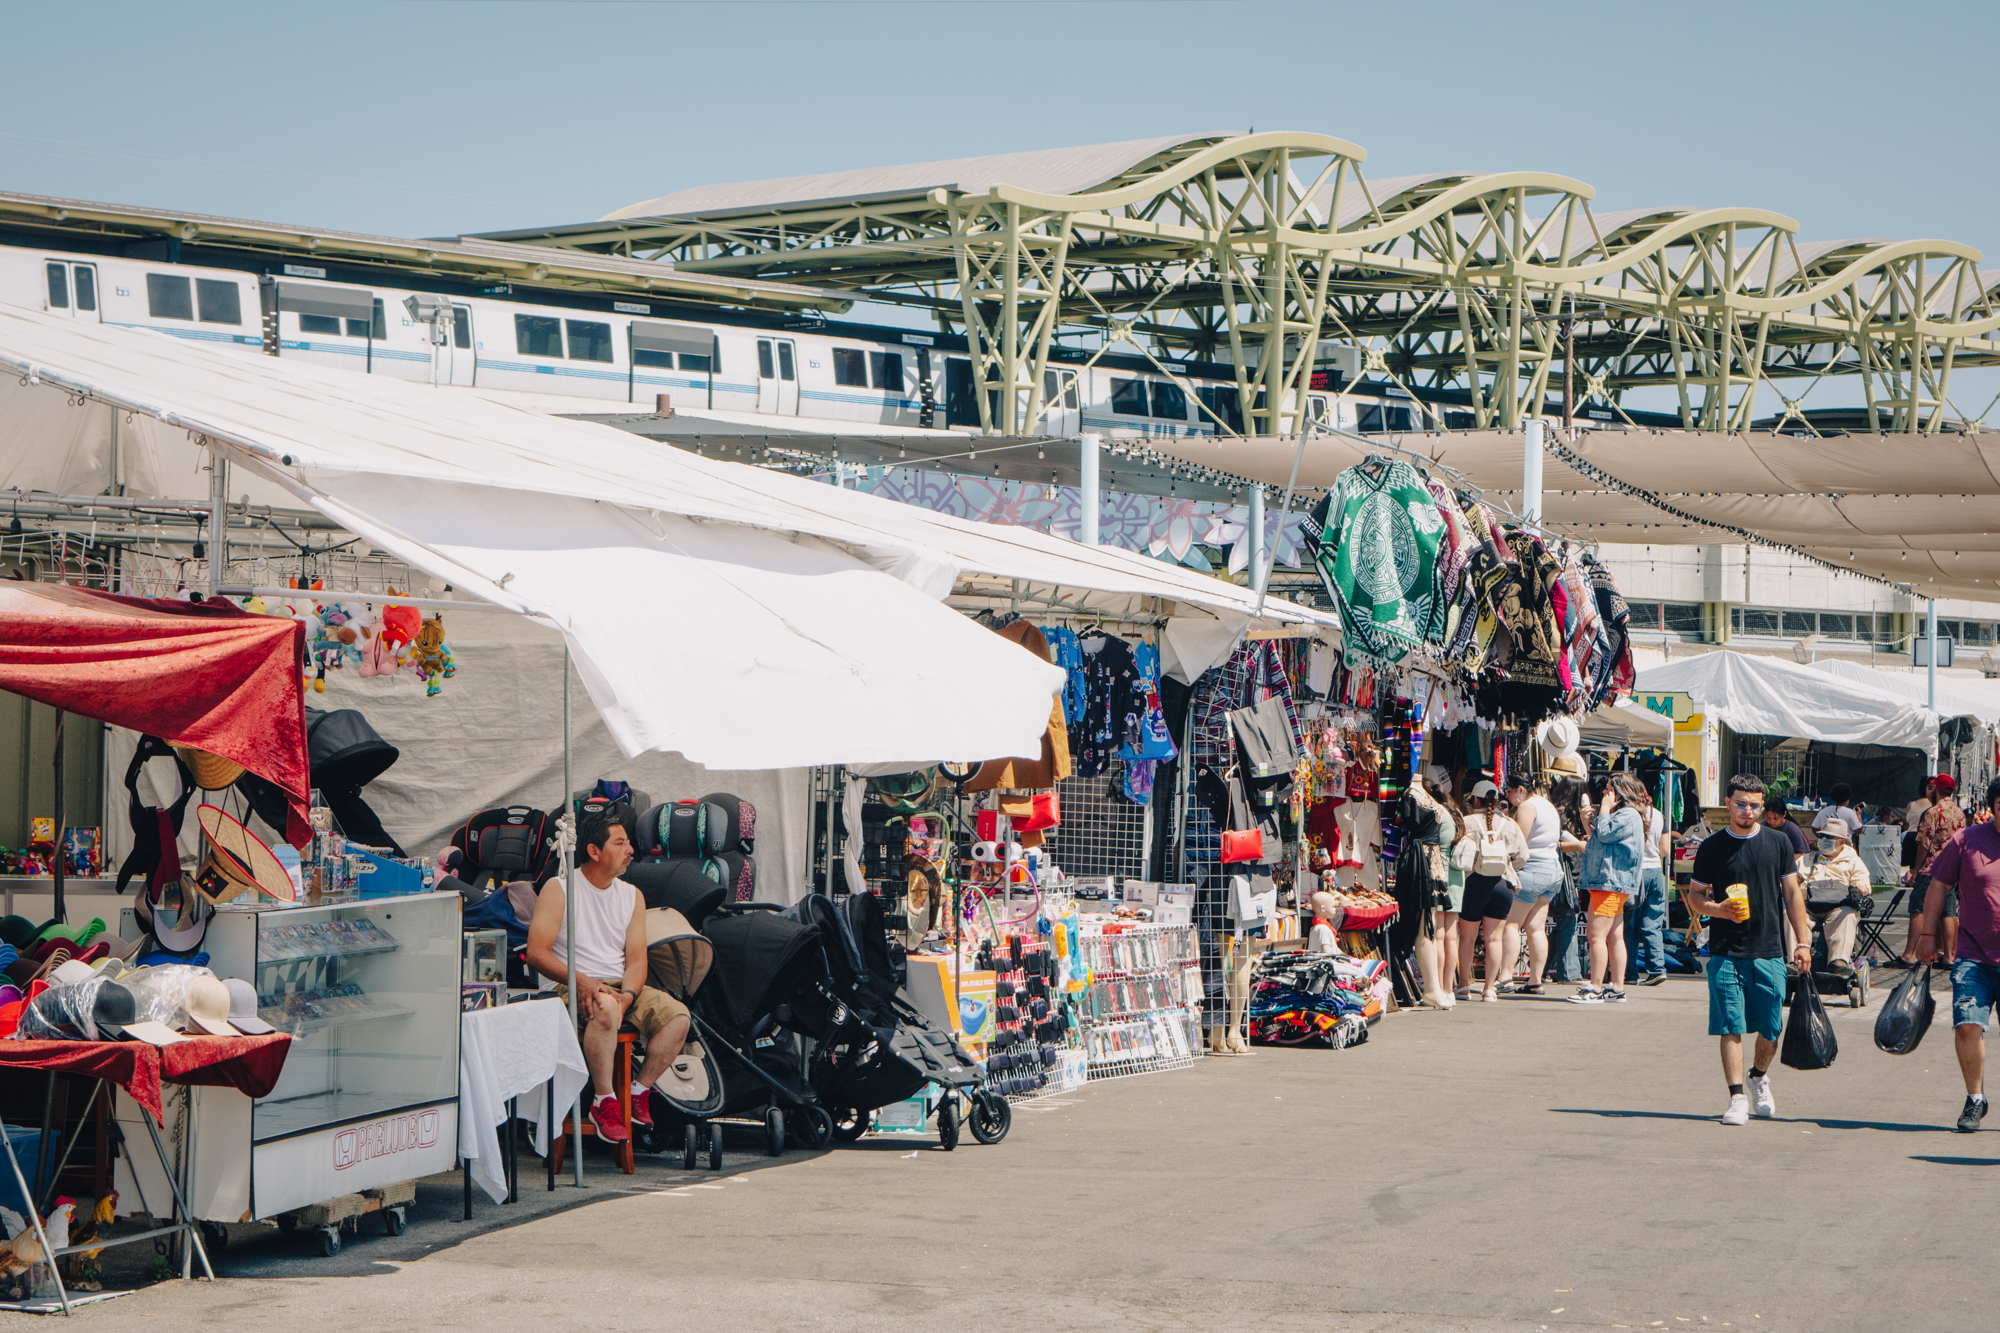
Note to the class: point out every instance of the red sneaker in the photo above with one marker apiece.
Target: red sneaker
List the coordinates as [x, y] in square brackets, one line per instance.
[608, 1120]
[642, 1106]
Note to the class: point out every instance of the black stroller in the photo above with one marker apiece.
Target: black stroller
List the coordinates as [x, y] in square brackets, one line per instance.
[732, 966]
[875, 1048]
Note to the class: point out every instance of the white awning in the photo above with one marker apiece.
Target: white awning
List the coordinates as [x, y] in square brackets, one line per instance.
[1956, 695]
[1769, 696]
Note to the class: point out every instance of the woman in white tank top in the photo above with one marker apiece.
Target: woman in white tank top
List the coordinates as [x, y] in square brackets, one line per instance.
[1541, 878]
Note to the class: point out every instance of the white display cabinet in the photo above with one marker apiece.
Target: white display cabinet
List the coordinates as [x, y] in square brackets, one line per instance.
[369, 991]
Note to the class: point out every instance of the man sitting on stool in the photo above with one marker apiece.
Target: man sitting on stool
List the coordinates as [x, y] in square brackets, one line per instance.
[1836, 878]
[611, 965]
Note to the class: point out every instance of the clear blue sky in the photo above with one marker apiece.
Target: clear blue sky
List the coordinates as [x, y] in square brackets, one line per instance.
[434, 117]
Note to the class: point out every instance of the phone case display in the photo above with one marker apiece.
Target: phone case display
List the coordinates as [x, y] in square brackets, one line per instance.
[370, 992]
[1143, 1006]
[1032, 1028]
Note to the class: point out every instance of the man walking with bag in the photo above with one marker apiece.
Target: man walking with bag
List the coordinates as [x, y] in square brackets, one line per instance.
[1746, 883]
[1970, 864]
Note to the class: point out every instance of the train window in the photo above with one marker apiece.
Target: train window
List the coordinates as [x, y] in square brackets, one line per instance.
[590, 341]
[764, 370]
[86, 287]
[379, 331]
[318, 324]
[1170, 401]
[218, 301]
[461, 326]
[537, 335]
[169, 296]
[786, 370]
[1380, 418]
[1459, 420]
[1225, 404]
[850, 367]
[59, 286]
[700, 364]
[357, 328]
[886, 370]
[644, 356]
[1129, 397]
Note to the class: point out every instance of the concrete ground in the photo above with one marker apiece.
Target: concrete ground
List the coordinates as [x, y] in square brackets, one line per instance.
[1525, 1165]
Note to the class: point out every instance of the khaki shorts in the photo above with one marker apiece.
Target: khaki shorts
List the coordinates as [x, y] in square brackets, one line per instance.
[649, 1013]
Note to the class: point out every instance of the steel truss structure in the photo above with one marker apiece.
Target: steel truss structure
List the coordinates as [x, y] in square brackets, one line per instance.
[1253, 249]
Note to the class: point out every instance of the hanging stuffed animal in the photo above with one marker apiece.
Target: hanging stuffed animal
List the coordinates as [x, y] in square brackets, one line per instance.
[400, 625]
[431, 659]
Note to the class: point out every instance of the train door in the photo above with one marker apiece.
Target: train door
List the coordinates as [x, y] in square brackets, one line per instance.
[459, 362]
[777, 377]
[72, 289]
[1319, 412]
[1062, 403]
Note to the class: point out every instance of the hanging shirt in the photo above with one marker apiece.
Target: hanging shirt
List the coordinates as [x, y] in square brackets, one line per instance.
[1151, 740]
[1113, 705]
[1064, 652]
[1374, 540]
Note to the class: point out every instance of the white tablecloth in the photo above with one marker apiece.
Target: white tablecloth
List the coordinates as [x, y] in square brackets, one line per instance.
[513, 1051]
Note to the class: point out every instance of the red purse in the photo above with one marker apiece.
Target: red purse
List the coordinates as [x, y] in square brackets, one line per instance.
[1244, 844]
[1047, 813]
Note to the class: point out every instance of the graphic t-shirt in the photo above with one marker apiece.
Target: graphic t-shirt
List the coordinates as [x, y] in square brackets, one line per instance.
[1970, 863]
[1760, 862]
[1114, 706]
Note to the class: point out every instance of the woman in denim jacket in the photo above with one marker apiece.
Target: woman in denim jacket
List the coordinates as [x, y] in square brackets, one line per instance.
[1611, 872]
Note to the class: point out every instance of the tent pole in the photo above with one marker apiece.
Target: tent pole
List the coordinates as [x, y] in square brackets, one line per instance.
[1531, 472]
[218, 519]
[1257, 571]
[62, 815]
[1931, 633]
[569, 927]
[1086, 463]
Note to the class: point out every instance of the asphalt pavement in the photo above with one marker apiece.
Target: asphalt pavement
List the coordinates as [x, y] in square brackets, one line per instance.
[1529, 1164]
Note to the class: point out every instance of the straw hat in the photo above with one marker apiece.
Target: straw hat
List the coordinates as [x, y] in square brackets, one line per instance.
[237, 860]
[1559, 739]
[211, 772]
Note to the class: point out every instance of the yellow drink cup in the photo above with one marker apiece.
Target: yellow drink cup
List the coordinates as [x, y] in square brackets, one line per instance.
[1738, 896]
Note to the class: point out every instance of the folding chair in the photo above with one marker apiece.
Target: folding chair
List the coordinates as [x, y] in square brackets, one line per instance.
[1869, 939]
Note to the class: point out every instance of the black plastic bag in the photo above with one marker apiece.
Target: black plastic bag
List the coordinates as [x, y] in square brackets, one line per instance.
[1809, 1041]
[1907, 1013]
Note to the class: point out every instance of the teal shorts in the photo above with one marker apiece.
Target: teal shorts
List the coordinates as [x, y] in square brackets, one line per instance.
[1746, 995]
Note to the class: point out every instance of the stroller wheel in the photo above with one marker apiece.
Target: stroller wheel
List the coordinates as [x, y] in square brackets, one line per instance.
[947, 1118]
[774, 1132]
[849, 1124]
[811, 1127]
[991, 1116]
[690, 1152]
[714, 1145]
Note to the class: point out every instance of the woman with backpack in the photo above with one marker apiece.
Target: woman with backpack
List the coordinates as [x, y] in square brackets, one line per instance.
[1491, 851]
[1613, 867]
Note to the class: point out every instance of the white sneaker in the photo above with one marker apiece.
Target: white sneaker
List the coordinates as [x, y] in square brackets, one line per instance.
[1738, 1112]
[1762, 1104]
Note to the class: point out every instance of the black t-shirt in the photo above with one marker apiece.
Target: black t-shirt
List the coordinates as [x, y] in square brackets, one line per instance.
[1760, 862]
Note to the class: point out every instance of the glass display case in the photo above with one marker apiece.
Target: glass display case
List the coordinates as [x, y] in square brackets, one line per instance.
[369, 991]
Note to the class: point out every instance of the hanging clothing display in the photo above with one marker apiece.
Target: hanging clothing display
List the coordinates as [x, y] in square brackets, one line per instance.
[1375, 540]
[1065, 654]
[1052, 765]
[1113, 704]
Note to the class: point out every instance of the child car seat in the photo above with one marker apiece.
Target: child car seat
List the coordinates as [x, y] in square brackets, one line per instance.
[739, 821]
[497, 846]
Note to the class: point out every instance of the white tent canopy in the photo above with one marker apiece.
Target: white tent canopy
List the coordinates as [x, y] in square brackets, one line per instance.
[1955, 697]
[1626, 723]
[1772, 697]
[738, 616]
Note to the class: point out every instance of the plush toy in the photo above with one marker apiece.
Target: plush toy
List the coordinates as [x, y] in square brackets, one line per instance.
[400, 625]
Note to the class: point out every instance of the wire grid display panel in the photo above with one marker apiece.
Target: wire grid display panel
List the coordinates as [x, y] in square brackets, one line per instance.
[1142, 1013]
[1100, 834]
[1028, 1057]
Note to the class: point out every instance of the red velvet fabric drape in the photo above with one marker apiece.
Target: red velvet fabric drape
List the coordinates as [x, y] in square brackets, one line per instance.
[206, 674]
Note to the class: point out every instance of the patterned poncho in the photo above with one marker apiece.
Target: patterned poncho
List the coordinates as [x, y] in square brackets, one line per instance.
[1375, 542]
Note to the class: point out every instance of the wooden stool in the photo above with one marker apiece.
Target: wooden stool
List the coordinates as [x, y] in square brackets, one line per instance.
[622, 1075]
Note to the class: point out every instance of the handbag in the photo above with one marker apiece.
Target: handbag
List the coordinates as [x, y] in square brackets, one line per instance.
[1265, 734]
[1045, 811]
[1255, 899]
[1243, 840]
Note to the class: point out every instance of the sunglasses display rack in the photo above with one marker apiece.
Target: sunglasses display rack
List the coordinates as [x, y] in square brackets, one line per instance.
[1142, 1011]
[1033, 1049]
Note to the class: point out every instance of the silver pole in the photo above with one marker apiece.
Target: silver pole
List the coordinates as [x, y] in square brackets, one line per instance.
[218, 518]
[1090, 499]
[1284, 517]
[1931, 671]
[1258, 573]
[569, 925]
[1531, 473]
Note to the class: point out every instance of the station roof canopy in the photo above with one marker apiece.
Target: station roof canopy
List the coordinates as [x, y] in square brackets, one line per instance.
[472, 259]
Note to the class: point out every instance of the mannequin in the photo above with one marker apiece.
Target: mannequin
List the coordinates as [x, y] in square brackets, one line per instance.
[1419, 880]
[1237, 968]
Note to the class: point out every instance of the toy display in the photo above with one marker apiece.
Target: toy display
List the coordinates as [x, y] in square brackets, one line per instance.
[375, 640]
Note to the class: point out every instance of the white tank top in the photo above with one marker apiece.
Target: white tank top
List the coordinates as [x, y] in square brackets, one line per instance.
[1656, 824]
[1546, 833]
[602, 918]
